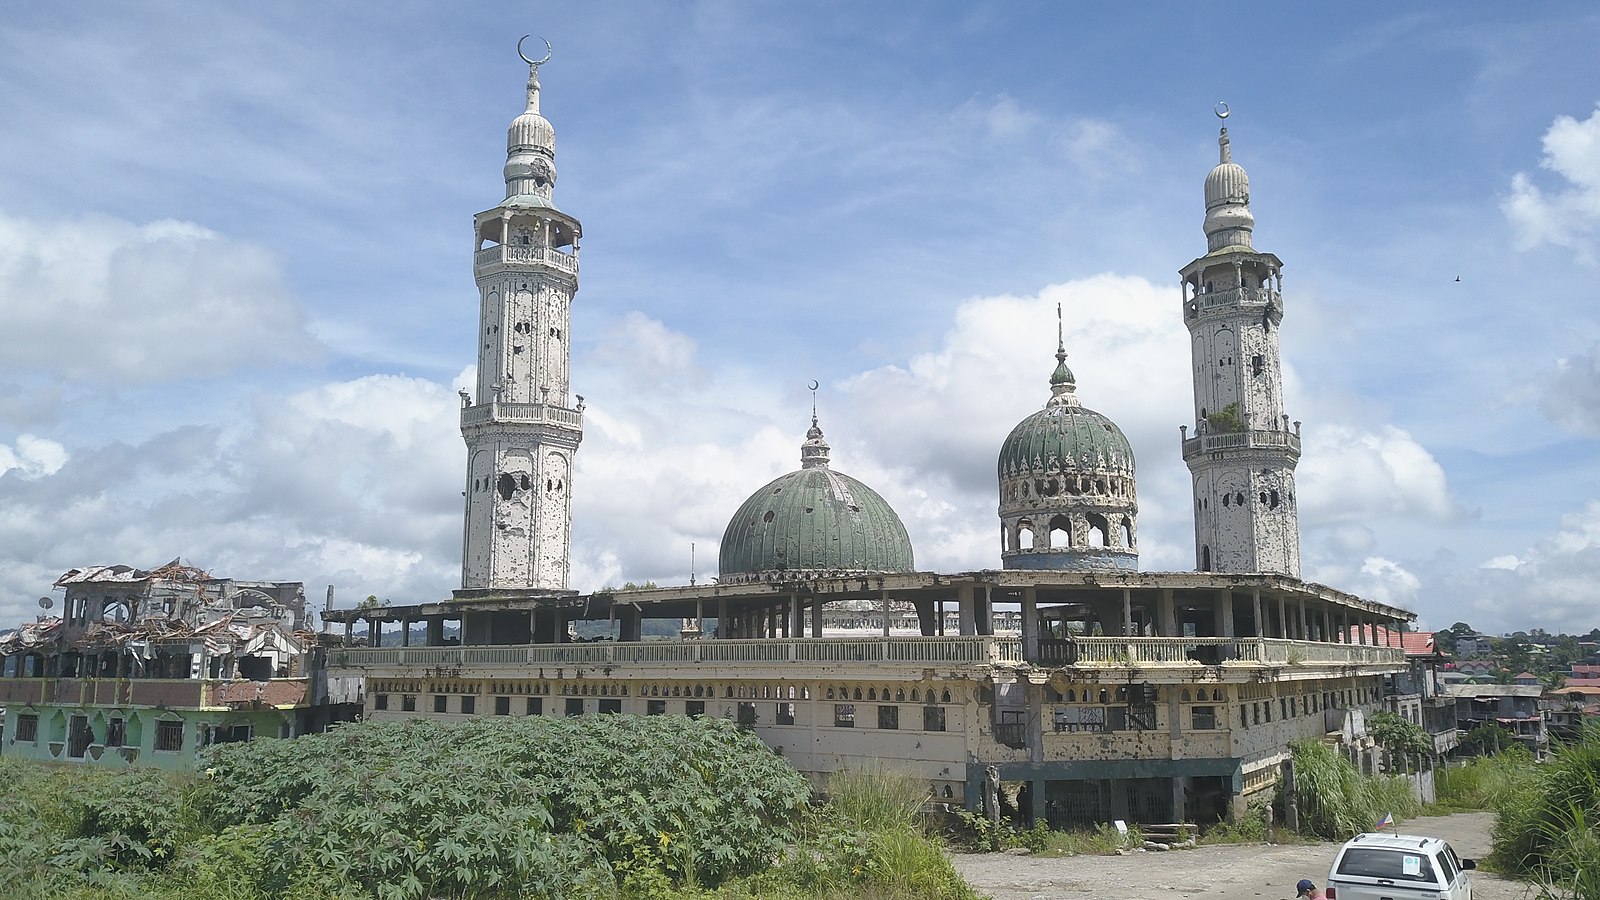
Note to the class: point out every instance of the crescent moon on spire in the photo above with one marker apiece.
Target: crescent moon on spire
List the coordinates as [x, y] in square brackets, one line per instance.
[813, 385]
[1221, 109]
[536, 63]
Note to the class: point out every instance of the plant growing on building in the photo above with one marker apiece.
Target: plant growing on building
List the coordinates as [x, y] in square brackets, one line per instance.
[1398, 735]
[1225, 420]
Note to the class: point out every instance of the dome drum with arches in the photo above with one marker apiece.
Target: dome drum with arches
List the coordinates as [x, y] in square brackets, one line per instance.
[1067, 489]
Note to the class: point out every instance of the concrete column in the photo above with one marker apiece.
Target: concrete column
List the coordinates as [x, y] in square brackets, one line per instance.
[1127, 612]
[374, 634]
[797, 626]
[1225, 606]
[1167, 614]
[1255, 600]
[630, 621]
[816, 618]
[561, 625]
[1283, 617]
[969, 616]
[1030, 623]
[986, 615]
[436, 631]
[938, 612]
[349, 632]
[724, 627]
[884, 598]
[405, 632]
[700, 616]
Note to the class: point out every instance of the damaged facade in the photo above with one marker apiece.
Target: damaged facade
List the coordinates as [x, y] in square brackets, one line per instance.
[1147, 696]
[147, 667]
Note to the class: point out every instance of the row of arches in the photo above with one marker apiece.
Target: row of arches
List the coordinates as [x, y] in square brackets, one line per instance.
[1064, 485]
[1074, 531]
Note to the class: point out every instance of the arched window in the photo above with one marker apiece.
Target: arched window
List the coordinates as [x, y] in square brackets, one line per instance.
[1060, 533]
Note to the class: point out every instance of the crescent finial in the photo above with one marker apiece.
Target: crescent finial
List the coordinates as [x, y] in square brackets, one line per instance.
[1221, 109]
[813, 385]
[536, 63]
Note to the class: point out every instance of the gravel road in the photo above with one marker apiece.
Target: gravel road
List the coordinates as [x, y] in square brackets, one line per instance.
[1244, 871]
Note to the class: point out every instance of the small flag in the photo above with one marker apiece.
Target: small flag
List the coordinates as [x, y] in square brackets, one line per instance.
[1388, 819]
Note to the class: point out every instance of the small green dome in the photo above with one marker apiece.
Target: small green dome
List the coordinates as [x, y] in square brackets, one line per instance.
[813, 521]
[1066, 437]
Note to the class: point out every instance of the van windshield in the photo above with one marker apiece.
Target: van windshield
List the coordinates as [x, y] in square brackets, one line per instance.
[1399, 865]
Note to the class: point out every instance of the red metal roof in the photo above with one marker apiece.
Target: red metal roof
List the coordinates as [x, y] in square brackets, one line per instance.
[1415, 643]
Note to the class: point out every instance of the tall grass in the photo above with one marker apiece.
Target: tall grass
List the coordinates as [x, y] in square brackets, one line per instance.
[1336, 800]
[1483, 782]
[877, 798]
[1549, 829]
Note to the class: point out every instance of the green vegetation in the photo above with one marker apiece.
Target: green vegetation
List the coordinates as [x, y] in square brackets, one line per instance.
[1484, 782]
[589, 808]
[1399, 736]
[1225, 420]
[1336, 801]
[1548, 827]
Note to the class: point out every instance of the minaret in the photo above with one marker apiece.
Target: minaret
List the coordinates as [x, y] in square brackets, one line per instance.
[1243, 453]
[522, 432]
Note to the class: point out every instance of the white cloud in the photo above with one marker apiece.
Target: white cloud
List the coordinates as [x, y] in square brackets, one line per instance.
[1350, 473]
[1553, 584]
[1098, 147]
[1571, 395]
[1567, 215]
[32, 457]
[102, 300]
[1000, 117]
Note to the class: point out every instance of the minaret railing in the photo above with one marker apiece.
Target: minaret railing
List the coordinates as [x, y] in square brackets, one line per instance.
[1243, 440]
[536, 413]
[514, 253]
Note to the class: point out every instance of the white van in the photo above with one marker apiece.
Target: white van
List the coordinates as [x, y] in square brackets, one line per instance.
[1399, 867]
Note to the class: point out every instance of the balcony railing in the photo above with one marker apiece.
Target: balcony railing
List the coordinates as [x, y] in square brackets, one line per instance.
[1242, 440]
[517, 253]
[910, 651]
[1092, 652]
[538, 413]
[1146, 652]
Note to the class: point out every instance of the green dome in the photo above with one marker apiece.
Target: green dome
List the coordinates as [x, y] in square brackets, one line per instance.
[1066, 437]
[813, 521]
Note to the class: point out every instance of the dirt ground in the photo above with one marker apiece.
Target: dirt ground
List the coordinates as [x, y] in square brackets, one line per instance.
[1246, 871]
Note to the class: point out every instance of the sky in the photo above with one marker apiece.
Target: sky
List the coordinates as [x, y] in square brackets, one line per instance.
[236, 294]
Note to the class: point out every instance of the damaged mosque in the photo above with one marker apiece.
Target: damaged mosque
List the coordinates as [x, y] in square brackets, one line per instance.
[1109, 691]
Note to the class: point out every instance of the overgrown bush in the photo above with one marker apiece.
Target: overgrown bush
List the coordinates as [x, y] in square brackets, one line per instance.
[1336, 800]
[1483, 782]
[597, 806]
[1549, 829]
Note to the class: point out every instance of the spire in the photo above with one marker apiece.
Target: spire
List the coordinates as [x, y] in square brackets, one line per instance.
[1063, 386]
[1228, 217]
[814, 451]
[531, 141]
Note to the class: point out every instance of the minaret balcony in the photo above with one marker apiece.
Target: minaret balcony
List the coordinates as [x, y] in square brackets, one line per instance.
[1233, 298]
[1242, 440]
[521, 413]
[501, 254]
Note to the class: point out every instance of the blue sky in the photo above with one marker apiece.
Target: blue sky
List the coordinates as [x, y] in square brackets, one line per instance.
[236, 288]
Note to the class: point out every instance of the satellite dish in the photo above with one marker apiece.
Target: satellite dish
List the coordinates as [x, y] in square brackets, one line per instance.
[46, 603]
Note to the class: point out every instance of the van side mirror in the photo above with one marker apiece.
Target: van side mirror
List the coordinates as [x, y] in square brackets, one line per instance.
[1469, 864]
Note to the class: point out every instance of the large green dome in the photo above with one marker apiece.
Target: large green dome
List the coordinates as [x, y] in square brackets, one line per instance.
[1068, 438]
[813, 521]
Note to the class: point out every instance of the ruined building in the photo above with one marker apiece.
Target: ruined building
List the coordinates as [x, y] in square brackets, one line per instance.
[147, 667]
[1148, 696]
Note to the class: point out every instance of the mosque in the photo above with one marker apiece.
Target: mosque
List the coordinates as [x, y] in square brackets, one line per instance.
[1145, 696]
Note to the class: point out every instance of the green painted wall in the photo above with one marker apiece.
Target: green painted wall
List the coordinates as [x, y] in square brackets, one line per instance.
[140, 728]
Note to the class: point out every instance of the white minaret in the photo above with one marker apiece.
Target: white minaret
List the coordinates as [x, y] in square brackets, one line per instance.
[1243, 453]
[522, 432]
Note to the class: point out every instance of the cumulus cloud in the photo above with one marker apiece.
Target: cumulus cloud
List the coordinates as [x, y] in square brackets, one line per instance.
[1098, 147]
[32, 457]
[353, 484]
[102, 300]
[1571, 396]
[1567, 214]
[1349, 473]
[1553, 581]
